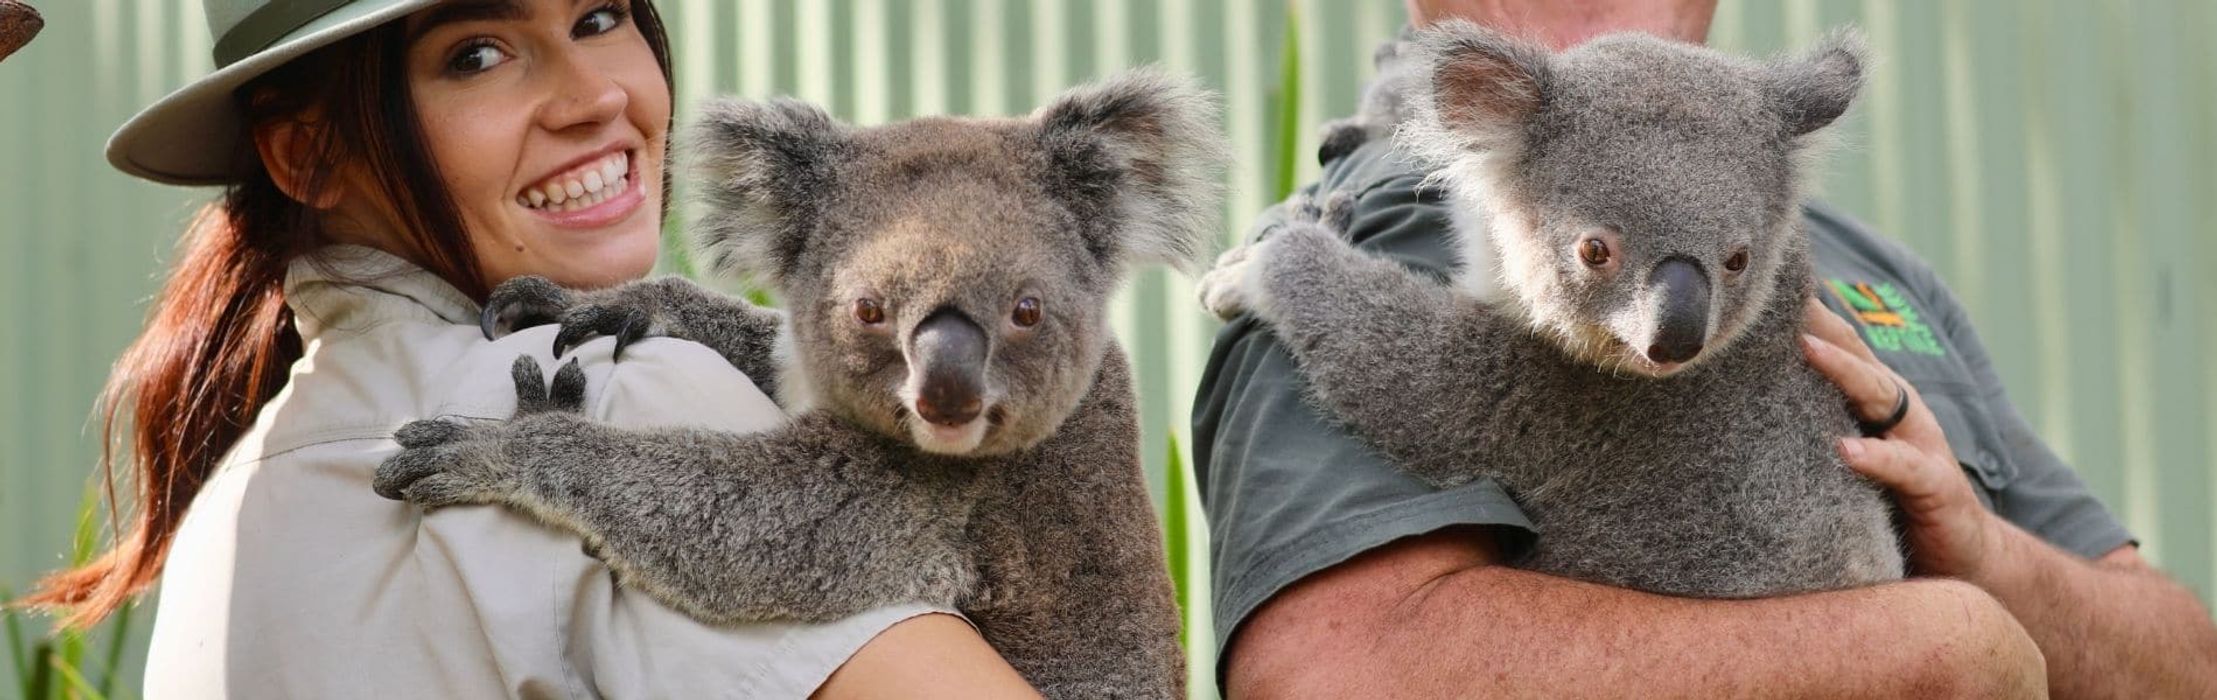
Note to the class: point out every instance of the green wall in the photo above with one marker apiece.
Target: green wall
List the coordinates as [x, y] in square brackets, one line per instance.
[2057, 161]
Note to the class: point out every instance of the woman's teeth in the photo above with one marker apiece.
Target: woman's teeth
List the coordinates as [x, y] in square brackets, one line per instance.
[592, 184]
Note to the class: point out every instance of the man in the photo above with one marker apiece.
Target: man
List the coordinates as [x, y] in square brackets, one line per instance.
[1339, 577]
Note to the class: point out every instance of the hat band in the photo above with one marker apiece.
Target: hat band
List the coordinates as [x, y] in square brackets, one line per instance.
[264, 26]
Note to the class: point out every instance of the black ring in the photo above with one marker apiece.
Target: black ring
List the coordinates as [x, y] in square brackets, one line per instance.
[1875, 428]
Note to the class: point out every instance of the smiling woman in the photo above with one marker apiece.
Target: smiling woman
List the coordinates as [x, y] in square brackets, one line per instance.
[385, 162]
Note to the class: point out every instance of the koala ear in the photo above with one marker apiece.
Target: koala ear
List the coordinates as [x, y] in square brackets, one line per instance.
[1478, 88]
[1812, 90]
[764, 170]
[1139, 157]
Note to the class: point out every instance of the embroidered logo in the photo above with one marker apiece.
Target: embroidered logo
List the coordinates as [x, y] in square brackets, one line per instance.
[1888, 322]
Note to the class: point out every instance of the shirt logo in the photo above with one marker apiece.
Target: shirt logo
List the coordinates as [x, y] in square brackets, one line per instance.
[1889, 323]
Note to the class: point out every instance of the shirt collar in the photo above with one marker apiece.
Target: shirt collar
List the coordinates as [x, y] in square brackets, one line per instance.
[351, 288]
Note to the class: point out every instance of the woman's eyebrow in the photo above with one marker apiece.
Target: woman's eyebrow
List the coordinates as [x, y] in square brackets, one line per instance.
[466, 11]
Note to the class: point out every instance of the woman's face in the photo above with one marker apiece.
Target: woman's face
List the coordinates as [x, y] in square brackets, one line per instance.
[548, 120]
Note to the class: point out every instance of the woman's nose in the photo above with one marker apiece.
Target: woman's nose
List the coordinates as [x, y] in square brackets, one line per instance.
[583, 95]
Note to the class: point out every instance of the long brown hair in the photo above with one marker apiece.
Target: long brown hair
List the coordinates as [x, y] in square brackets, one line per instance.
[220, 339]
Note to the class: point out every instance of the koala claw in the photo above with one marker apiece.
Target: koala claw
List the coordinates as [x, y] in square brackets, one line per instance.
[584, 322]
[522, 302]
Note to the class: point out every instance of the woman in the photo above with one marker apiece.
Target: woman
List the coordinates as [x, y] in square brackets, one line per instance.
[386, 163]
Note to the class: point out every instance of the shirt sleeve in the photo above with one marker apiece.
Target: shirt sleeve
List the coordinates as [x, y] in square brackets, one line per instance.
[1287, 493]
[2045, 496]
[624, 644]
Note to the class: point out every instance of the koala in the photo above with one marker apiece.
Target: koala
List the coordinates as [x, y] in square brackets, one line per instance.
[964, 431]
[1622, 356]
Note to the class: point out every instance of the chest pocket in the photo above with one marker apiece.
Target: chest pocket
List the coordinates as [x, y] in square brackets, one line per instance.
[1889, 319]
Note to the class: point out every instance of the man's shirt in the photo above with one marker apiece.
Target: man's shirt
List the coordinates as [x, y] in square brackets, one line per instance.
[1289, 494]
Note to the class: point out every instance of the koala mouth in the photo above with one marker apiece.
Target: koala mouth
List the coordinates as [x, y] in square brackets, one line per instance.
[954, 440]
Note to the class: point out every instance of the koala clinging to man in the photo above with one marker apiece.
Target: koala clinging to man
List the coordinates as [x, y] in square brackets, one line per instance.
[1620, 348]
[964, 431]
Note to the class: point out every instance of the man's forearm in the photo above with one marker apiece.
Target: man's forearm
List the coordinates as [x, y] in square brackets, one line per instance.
[1498, 631]
[2112, 628]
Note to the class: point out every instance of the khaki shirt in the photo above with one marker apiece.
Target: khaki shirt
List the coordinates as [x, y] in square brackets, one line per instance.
[291, 579]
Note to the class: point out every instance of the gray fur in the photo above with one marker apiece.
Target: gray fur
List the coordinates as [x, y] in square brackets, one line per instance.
[1040, 531]
[1716, 477]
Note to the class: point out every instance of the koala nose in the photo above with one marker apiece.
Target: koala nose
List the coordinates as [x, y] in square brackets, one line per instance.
[1684, 321]
[949, 352]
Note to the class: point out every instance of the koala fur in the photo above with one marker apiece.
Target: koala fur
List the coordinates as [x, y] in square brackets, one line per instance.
[1652, 413]
[942, 449]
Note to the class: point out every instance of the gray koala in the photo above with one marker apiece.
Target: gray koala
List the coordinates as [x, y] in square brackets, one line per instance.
[1629, 369]
[964, 428]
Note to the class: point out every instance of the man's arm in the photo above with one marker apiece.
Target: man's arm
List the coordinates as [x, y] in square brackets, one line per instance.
[1434, 616]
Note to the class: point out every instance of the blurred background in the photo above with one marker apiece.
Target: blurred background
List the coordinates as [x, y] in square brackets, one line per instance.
[2055, 160]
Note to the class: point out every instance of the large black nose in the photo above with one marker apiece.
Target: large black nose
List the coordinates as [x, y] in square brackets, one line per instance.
[1684, 322]
[949, 352]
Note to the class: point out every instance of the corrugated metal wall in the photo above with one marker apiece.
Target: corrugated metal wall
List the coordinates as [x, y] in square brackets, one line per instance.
[2057, 161]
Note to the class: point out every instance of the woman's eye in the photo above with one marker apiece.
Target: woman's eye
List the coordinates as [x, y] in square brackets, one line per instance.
[476, 58]
[598, 22]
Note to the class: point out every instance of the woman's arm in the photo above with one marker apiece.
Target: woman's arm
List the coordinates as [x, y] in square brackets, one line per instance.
[927, 656]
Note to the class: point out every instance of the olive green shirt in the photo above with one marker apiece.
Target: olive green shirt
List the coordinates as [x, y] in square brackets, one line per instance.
[1288, 494]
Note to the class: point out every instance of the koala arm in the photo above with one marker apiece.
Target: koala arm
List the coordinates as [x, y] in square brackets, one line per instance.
[1441, 617]
[745, 335]
[811, 521]
[1395, 356]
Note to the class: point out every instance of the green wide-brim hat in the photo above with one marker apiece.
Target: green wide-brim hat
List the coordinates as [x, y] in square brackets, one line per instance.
[191, 136]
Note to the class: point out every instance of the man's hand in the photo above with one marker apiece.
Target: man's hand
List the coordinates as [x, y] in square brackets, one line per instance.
[1950, 533]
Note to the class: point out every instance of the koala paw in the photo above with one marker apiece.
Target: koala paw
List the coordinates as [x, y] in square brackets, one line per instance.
[1336, 213]
[445, 463]
[523, 302]
[1228, 289]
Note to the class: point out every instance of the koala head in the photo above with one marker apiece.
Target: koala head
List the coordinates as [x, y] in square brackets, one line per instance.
[1639, 194]
[947, 280]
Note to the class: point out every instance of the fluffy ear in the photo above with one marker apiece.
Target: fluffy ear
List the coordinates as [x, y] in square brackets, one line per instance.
[1140, 157]
[764, 171]
[1477, 89]
[1812, 90]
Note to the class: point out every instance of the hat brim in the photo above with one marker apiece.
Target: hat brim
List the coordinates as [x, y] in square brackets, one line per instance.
[191, 136]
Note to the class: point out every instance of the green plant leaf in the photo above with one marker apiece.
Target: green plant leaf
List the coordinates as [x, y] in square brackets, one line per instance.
[1289, 105]
[1174, 530]
[119, 638]
[77, 681]
[16, 642]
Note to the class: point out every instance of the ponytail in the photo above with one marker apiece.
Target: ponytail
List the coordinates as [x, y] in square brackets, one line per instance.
[216, 348]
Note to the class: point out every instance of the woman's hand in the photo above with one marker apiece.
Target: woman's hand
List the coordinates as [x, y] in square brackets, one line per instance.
[1950, 532]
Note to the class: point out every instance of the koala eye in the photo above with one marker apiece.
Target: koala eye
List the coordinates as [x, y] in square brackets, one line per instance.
[1594, 251]
[1027, 312]
[869, 311]
[1737, 262]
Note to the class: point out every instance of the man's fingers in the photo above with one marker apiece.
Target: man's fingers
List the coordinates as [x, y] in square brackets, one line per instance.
[1835, 330]
[1871, 388]
[1892, 463]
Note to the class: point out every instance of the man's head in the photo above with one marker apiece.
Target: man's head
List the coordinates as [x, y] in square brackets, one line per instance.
[1640, 193]
[1561, 24]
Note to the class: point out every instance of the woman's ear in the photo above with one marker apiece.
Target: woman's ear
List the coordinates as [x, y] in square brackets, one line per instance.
[289, 149]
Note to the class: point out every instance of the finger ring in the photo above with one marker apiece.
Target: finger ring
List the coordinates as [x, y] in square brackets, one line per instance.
[1875, 428]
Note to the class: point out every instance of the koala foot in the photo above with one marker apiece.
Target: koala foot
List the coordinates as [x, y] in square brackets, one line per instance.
[446, 463]
[1234, 286]
[530, 300]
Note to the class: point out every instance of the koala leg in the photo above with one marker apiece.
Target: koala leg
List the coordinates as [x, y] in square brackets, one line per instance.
[1399, 358]
[812, 521]
[744, 334]
[1074, 590]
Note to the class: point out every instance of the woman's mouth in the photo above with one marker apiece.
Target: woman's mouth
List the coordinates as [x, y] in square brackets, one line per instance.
[594, 194]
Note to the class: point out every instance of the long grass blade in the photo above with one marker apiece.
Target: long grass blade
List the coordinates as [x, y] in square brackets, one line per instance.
[1174, 530]
[16, 643]
[119, 638]
[76, 682]
[1289, 105]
